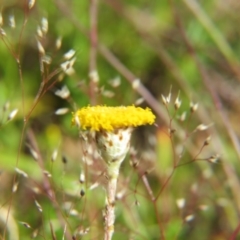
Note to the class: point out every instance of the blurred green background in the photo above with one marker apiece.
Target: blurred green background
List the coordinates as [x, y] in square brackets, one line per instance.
[183, 187]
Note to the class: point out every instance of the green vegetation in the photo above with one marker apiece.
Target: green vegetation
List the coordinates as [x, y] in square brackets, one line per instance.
[179, 58]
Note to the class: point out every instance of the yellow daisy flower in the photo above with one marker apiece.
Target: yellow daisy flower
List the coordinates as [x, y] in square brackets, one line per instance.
[97, 118]
[112, 127]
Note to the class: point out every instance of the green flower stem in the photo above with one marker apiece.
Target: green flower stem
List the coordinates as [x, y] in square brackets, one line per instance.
[113, 173]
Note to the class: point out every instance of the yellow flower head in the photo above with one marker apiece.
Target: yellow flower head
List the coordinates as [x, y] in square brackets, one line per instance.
[99, 118]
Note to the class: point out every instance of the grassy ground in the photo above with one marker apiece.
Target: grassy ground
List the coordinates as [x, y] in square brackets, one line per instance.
[181, 177]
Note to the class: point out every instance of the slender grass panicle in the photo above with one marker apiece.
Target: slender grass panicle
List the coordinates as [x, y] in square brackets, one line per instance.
[113, 127]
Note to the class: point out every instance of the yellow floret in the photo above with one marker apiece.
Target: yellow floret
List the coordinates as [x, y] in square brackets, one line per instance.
[98, 118]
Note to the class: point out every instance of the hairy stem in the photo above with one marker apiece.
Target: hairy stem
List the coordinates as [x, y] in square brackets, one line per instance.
[113, 173]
